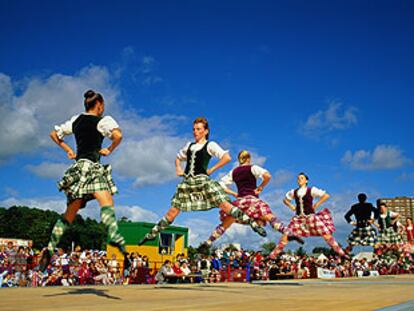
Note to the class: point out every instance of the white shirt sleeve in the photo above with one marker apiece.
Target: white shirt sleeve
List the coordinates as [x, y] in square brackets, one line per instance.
[215, 150]
[106, 126]
[182, 153]
[290, 195]
[258, 171]
[317, 193]
[65, 129]
[393, 214]
[227, 180]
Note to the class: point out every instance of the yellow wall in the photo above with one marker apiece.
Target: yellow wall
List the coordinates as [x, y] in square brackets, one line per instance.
[150, 251]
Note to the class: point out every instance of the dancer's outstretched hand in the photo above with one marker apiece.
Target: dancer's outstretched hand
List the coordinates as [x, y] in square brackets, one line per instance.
[179, 171]
[258, 190]
[71, 155]
[105, 152]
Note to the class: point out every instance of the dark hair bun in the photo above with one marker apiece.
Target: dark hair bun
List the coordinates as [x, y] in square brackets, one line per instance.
[89, 94]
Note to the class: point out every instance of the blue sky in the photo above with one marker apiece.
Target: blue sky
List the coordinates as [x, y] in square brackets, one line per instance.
[323, 87]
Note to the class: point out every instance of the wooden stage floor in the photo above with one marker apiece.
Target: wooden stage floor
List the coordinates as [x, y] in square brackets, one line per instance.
[393, 293]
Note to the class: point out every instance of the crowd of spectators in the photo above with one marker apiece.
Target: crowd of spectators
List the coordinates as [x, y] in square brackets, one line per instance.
[18, 267]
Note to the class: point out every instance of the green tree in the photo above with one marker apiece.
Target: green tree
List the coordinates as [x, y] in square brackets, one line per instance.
[300, 251]
[267, 248]
[22, 222]
[324, 250]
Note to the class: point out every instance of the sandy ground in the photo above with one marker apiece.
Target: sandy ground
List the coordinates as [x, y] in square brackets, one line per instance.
[342, 294]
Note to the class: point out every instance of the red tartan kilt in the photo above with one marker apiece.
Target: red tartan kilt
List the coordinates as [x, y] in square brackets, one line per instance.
[254, 207]
[317, 224]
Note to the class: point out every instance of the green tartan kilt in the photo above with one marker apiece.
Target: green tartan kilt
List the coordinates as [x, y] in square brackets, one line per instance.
[199, 193]
[389, 236]
[364, 236]
[84, 178]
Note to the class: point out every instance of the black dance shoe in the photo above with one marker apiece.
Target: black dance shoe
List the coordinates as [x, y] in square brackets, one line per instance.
[258, 229]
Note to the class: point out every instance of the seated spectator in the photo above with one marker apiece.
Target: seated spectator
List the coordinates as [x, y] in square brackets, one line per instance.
[165, 273]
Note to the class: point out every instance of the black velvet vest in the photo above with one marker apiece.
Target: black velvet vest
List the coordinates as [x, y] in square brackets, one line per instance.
[197, 162]
[88, 138]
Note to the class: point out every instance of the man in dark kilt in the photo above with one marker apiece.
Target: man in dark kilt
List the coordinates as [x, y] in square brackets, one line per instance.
[363, 234]
[197, 191]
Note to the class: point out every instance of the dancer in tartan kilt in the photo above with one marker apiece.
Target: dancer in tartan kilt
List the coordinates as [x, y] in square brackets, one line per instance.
[87, 179]
[306, 222]
[363, 234]
[197, 192]
[247, 198]
[386, 221]
[409, 229]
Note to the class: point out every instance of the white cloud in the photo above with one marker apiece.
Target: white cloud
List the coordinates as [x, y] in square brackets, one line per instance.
[148, 64]
[92, 210]
[274, 197]
[151, 80]
[136, 213]
[383, 157]
[200, 230]
[332, 119]
[281, 177]
[137, 127]
[26, 119]
[148, 161]
[6, 88]
[48, 170]
[258, 159]
[46, 203]
[148, 150]
[11, 192]
[406, 177]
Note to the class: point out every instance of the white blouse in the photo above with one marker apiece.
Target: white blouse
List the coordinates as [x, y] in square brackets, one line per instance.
[315, 193]
[213, 149]
[256, 170]
[105, 126]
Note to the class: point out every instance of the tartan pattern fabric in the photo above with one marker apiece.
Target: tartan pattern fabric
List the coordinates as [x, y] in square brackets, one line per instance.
[254, 207]
[365, 236]
[85, 177]
[109, 220]
[317, 224]
[56, 234]
[389, 236]
[199, 193]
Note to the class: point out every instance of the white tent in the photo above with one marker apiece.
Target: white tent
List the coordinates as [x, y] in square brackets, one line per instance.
[367, 255]
[319, 257]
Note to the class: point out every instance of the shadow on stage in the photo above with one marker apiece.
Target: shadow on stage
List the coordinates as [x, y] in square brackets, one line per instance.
[206, 288]
[86, 291]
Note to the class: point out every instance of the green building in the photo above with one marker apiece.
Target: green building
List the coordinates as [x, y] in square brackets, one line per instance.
[168, 244]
